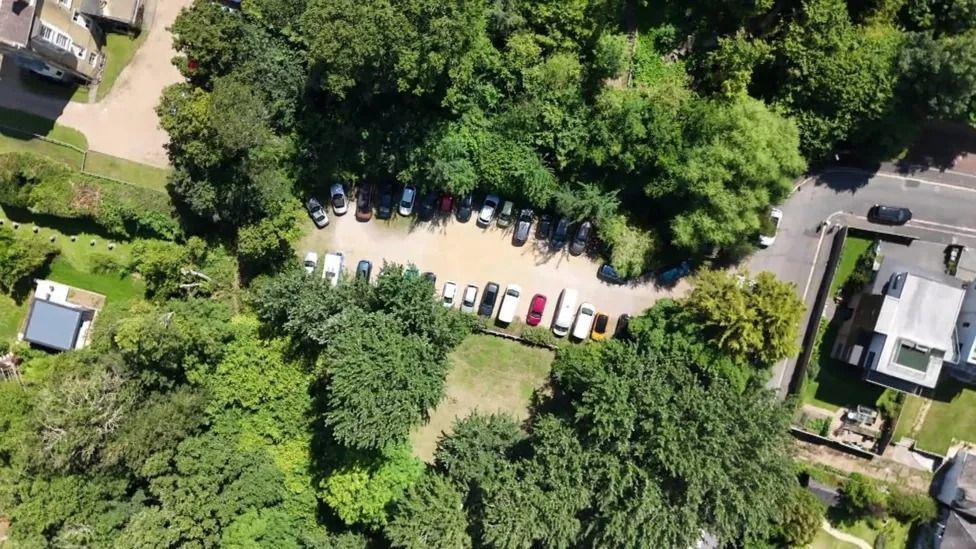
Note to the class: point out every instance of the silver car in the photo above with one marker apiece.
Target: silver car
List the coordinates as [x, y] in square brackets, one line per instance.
[469, 300]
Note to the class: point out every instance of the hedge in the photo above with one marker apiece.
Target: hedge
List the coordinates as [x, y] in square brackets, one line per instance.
[46, 187]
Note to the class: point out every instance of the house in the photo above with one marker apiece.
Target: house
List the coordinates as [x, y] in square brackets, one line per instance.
[116, 15]
[904, 330]
[60, 317]
[965, 368]
[958, 494]
[54, 38]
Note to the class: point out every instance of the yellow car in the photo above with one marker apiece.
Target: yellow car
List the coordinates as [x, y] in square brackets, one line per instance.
[599, 332]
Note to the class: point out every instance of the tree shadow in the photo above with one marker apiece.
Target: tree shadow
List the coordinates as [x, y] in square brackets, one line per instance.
[939, 146]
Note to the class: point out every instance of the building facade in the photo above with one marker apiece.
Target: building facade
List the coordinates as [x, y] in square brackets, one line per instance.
[54, 38]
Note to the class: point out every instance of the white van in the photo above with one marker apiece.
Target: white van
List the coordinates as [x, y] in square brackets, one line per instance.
[506, 314]
[333, 268]
[584, 321]
[565, 309]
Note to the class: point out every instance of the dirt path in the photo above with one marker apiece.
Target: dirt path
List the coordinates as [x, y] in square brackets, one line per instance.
[853, 540]
[879, 468]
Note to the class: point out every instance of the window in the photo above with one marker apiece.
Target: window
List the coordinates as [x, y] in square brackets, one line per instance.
[92, 58]
[80, 52]
[870, 360]
[62, 41]
[47, 33]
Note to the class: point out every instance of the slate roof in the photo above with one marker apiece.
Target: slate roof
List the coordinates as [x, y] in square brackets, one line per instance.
[16, 19]
[53, 325]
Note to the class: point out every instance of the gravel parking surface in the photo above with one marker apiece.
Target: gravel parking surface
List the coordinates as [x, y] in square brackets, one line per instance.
[465, 254]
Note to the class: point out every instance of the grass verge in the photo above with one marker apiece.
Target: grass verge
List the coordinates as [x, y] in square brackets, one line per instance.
[854, 246]
[909, 415]
[134, 173]
[26, 122]
[119, 50]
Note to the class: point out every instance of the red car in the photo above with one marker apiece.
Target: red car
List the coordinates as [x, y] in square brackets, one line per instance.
[536, 307]
[447, 203]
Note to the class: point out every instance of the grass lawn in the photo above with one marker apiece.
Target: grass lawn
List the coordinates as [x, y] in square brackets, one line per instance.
[11, 142]
[854, 246]
[896, 533]
[134, 173]
[65, 91]
[951, 416]
[489, 374]
[837, 384]
[42, 126]
[826, 541]
[119, 50]
[906, 421]
[16, 128]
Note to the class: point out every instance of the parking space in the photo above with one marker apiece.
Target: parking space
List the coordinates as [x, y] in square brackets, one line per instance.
[465, 254]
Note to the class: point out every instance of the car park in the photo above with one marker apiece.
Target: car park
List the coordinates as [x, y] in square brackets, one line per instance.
[510, 301]
[889, 215]
[488, 298]
[544, 228]
[607, 273]
[364, 203]
[584, 321]
[767, 240]
[363, 269]
[469, 299]
[446, 203]
[487, 213]
[407, 200]
[311, 262]
[464, 208]
[622, 330]
[536, 308]
[523, 227]
[581, 238]
[384, 206]
[449, 294]
[565, 310]
[669, 276]
[599, 332]
[332, 270]
[506, 215]
[337, 195]
[560, 234]
[317, 212]
[428, 206]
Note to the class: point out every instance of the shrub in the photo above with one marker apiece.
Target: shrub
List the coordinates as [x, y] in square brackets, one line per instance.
[105, 263]
[861, 496]
[631, 248]
[538, 335]
[21, 257]
[862, 273]
[912, 507]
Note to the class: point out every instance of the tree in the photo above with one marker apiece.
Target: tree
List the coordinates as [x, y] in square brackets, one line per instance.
[22, 257]
[861, 496]
[801, 519]
[940, 75]
[912, 507]
[477, 449]
[430, 514]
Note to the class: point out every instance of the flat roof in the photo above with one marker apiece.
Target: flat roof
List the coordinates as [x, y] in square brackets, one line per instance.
[16, 20]
[53, 325]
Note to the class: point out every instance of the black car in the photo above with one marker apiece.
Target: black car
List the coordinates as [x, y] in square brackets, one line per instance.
[582, 236]
[523, 227]
[560, 234]
[889, 215]
[464, 208]
[488, 298]
[622, 331]
[384, 207]
[363, 269]
[607, 273]
[544, 227]
[428, 205]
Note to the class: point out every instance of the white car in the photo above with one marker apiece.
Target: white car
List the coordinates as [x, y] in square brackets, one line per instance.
[584, 321]
[450, 293]
[470, 299]
[317, 212]
[407, 200]
[338, 195]
[333, 268]
[488, 208]
[767, 240]
[311, 262]
[506, 313]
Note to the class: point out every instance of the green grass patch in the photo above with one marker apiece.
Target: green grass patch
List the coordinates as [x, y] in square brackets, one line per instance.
[826, 541]
[906, 420]
[63, 91]
[952, 415]
[854, 246]
[895, 533]
[11, 142]
[837, 384]
[30, 123]
[134, 173]
[11, 315]
[119, 50]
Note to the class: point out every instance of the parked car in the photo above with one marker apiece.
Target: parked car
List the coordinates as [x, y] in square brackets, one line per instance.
[523, 227]
[338, 196]
[428, 205]
[581, 238]
[562, 319]
[333, 268]
[607, 273]
[449, 294]
[544, 228]
[464, 208]
[317, 212]
[560, 234]
[431, 277]
[584, 321]
[488, 298]
[311, 262]
[384, 206]
[487, 213]
[536, 307]
[364, 203]
[447, 203]
[407, 200]
[510, 301]
[669, 276]
[364, 268]
[506, 215]
[622, 331]
[599, 332]
[889, 215]
[469, 299]
[775, 216]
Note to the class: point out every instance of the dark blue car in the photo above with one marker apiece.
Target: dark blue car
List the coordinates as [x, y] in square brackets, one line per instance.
[607, 273]
[674, 274]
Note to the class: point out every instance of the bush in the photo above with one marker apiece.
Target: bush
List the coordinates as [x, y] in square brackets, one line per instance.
[862, 274]
[538, 335]
[912, 507]
[631, 248]
[105, 263]
[50, 188]
[862, 497]
[22, 257]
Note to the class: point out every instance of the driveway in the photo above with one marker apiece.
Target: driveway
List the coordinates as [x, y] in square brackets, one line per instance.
[465, 254]
[123, 124]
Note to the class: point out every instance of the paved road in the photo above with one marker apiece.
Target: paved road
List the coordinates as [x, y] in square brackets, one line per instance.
[943, 206]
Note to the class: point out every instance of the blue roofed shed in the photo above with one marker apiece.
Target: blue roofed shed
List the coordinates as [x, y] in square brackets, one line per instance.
[53, 325]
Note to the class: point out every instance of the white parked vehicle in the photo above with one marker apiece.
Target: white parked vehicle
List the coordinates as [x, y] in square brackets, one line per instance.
[470, 299]
[311, 262]
[487, 213]
[767, 240]
[407, 200]
[338, 195]
[450, 293]
[584, 321]
[565, 309]
[506, 314]
[333, 268]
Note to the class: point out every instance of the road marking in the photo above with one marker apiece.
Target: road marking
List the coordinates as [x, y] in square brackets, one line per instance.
[884, 174]
[816, 256]
[942, 225]
[963, 174]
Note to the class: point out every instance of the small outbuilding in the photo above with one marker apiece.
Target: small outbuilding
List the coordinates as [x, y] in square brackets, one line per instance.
[60, 317]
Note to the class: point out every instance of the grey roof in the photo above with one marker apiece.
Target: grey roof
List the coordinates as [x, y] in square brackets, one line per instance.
[959, 533]
[118, 10]
[53, 325]
[16, 20]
